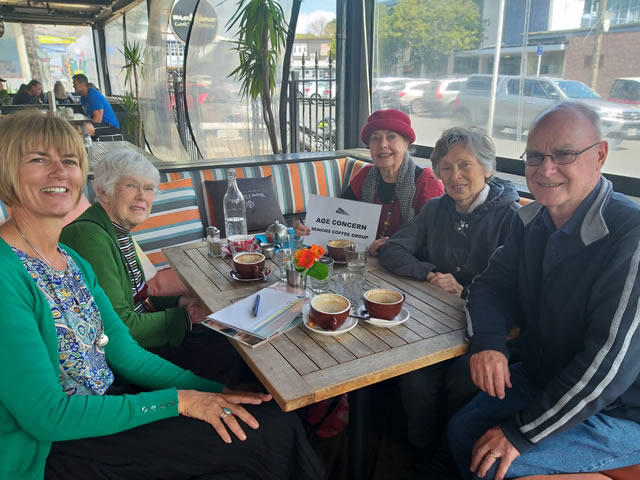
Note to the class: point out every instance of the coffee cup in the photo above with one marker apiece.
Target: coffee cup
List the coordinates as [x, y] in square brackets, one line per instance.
[335, 248]
[383, 303]
[248, 264]
[241, 243]
[329, 310]
[68, 112]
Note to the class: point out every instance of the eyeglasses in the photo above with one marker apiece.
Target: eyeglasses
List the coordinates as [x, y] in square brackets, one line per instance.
[559, 157]
[133, 188]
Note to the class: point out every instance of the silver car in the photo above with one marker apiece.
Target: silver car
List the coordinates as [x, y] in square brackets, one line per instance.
[439, 96]
[538, 94]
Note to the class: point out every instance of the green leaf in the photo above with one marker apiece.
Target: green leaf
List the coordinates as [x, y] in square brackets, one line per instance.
[318, 271]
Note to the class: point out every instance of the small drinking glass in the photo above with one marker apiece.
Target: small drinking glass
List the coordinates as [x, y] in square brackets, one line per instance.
[349, 285]
[356, 257]
[322, 286]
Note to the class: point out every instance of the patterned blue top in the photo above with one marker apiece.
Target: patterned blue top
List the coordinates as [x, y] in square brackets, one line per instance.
[83, 367]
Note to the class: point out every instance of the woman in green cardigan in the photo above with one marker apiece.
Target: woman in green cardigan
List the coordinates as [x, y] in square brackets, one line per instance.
[62, 346]
[125, 182]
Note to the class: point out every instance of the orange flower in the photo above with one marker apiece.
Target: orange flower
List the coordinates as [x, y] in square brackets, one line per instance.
[317, 250]
[305, 258]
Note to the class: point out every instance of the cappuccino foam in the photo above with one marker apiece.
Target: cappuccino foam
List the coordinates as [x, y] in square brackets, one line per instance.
[248, 258]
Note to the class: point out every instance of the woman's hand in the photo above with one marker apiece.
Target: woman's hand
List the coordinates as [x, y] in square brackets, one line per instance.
[446, 282]
[301, 229]
[197, 312]
[210, 407]
[375, 246]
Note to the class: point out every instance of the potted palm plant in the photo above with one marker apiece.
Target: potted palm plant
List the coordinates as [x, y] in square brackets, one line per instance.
[134, 67]
[262, 31]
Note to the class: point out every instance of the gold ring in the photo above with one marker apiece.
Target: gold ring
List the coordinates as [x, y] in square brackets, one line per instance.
[493, 455]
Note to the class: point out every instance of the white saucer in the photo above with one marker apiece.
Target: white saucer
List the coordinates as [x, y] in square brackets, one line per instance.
[348, 324]
[238, 278]
[402, 317]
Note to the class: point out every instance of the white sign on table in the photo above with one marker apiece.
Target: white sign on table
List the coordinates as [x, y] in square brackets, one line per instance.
[332, 218]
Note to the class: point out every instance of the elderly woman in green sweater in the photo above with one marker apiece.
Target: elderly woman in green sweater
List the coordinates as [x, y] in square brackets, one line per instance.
[62, 346]
[125, 183]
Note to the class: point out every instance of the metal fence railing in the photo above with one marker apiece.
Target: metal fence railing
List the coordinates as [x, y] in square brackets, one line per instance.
[312, 108]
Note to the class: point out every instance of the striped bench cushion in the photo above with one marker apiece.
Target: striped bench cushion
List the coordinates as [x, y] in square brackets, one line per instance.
[294, 182]
[174, 220]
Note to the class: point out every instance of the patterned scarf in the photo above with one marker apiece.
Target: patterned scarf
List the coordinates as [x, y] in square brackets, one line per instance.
[405, 187]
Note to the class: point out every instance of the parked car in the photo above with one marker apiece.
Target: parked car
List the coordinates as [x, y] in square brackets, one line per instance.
[439, 96]
[626, 90]
[539, 93]
[383, 92]
[409, 97]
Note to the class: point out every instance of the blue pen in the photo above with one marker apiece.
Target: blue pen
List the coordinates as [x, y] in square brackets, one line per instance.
[256, 306]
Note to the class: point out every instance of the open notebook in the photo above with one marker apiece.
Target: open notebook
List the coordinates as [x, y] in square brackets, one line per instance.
[280, 309]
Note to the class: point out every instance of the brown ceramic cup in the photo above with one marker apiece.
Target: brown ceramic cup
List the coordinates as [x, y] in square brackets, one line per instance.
[329, 310]
[248, 265]
[335, 249]
[383, 303]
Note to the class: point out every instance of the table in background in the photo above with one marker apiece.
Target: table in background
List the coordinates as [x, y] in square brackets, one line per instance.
[300, 367]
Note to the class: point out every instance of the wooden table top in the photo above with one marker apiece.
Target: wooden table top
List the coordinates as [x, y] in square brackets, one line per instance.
[301, 367]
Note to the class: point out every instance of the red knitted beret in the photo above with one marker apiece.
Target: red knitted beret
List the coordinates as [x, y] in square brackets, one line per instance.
[390, 119]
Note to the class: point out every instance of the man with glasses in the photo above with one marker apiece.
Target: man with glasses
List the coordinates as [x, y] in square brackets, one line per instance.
[568, 277]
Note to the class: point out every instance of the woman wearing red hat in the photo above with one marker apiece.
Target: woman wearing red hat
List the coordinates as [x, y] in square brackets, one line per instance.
[394, 180]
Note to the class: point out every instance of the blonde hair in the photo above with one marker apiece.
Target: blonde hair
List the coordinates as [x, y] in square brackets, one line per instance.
[23, 131]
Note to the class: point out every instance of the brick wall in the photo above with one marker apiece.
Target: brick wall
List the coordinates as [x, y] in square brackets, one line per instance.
[619, 57]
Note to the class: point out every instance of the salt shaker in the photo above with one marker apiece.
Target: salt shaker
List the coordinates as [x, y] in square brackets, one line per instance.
[214, 244]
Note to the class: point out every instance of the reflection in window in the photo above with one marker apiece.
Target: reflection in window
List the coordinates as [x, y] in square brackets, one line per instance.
[114, 39]
[54, 53]
[440, 40]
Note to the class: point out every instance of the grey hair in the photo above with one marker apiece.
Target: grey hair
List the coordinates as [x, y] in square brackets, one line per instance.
[473, 139]
[588, 112]
[119, 163]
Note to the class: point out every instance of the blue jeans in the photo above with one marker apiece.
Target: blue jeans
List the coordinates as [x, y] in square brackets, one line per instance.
[599, 443]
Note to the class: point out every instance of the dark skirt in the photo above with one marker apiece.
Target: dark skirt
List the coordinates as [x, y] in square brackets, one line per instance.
[185, 448]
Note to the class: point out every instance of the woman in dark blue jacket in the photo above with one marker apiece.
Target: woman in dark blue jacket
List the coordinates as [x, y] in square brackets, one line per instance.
[448, 244]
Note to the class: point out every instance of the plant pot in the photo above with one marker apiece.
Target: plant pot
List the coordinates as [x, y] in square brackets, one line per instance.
[296, 279]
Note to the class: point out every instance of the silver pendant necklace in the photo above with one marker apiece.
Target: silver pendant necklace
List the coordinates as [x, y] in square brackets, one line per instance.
[101, 338]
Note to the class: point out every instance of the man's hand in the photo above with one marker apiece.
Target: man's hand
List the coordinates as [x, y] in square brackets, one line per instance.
[490, 372]
[492, 447]
[446, 282]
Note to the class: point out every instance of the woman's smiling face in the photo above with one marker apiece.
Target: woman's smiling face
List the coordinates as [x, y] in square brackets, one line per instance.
[50, 181]
[131, 201]
[462, 175]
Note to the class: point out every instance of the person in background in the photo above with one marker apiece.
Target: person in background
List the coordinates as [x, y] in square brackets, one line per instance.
[568, 276]
[4, 95]
[79, 397]
[97, 107]
[448, 244]
[125, 183]
[30, 95]
[394, 180]
[61, 95]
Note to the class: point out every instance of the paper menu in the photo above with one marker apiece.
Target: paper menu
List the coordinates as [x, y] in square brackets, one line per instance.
[276, 308]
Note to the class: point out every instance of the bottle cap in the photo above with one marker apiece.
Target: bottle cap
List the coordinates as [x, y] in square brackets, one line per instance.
[212, 230]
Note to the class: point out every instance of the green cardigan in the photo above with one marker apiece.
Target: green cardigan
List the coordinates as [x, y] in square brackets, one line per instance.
[98, 245]
[34, 411]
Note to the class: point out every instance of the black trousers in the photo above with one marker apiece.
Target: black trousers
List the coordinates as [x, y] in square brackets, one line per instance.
[210, 355]
[182, 448]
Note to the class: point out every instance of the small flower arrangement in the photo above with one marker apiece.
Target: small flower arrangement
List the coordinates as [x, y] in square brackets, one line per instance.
[306, 262]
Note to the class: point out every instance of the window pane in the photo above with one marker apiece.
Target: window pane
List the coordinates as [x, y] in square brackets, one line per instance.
[114, 38]
[443, 40]
[47, 53]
